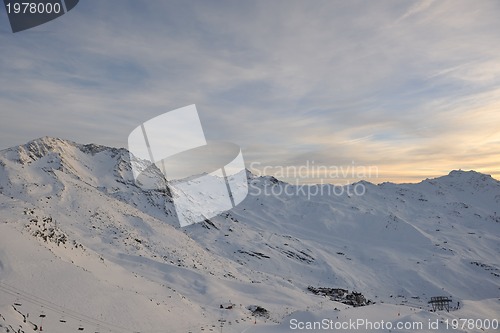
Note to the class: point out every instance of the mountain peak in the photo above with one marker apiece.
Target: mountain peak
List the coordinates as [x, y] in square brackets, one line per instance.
[38, 148]
[41, 147]
[50, 140]
[469, 176]
[47, 143]
[463, 173]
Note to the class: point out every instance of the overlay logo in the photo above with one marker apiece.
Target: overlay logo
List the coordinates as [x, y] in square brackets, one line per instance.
[170, 152]
[27, 14]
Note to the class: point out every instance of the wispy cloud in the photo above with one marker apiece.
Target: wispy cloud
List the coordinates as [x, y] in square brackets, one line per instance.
[412, 87]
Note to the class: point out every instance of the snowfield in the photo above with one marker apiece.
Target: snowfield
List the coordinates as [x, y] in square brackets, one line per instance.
[83, 248]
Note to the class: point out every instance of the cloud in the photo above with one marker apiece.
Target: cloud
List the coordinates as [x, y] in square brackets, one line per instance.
[384, 84]
[415, 9]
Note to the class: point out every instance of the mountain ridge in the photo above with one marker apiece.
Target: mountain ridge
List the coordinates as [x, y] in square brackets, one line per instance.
[79, 208]
[39, 147]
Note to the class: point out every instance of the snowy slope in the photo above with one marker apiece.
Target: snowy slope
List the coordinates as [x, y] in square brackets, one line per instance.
[409, 240]
[82, 243]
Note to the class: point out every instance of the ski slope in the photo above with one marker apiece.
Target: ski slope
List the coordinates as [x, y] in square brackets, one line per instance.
[83, 246]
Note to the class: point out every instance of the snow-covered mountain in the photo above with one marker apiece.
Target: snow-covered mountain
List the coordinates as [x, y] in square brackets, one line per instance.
[83, 246]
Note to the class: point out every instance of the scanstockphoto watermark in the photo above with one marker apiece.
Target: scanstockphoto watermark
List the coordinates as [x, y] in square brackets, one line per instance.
[479, 324]
[354, 325]
[325, 179]
[308, 191]
[313, 170]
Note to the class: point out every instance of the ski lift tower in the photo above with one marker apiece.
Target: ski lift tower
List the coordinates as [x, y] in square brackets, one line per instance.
[440, 303]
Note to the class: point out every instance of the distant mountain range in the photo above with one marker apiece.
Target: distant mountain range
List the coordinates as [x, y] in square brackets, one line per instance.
[83, 245]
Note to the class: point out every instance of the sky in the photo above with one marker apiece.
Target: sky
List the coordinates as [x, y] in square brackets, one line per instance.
[405, 89]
